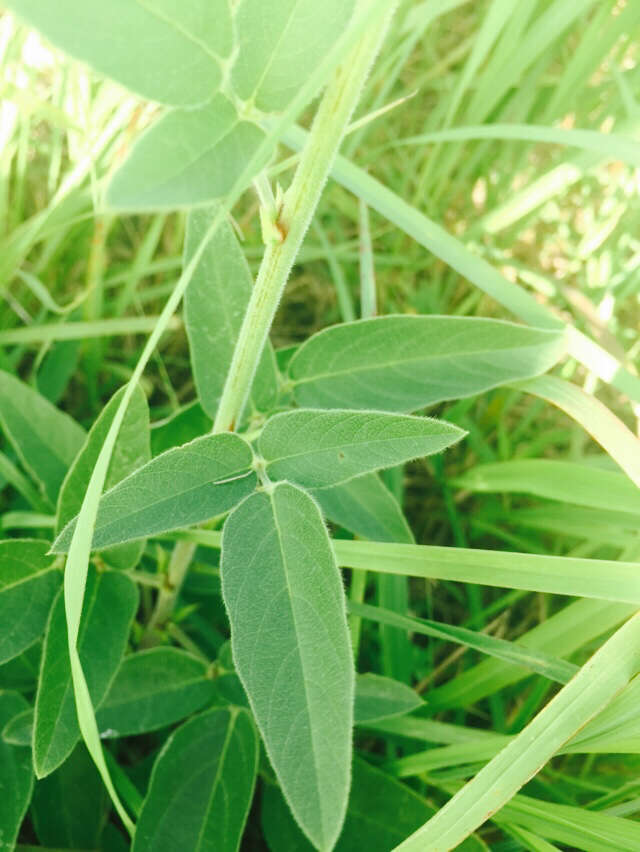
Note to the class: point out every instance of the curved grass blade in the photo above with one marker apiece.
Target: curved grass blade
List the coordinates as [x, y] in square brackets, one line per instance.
[610, 432]
[595, 685]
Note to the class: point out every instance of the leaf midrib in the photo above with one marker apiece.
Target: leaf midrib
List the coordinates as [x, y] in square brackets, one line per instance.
[408, 361]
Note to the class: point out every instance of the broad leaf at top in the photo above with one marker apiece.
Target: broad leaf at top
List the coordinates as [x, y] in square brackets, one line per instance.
[110, 602]
[164, 50]
[29, 580]
[131, 451]
[183, 486]
[291, 649]
[201, 786]
[403, 363]
[279, 45]
[318, 448]
[45, 439]
[189, 156]
[16, 773]
[214, 306]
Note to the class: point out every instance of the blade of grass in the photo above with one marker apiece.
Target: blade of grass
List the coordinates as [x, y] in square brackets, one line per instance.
[597, 682]
[610, 432]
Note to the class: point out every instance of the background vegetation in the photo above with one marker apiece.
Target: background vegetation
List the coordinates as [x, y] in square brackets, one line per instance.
[81, 289]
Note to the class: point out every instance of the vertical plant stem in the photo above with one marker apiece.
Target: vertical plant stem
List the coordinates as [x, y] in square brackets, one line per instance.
[300, 202]
[179, 563]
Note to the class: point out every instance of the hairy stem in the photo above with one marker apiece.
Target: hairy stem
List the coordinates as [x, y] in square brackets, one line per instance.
[300, 202]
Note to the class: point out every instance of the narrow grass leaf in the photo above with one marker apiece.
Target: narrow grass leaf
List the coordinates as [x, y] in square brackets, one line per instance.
[576, 827]
[16, 773]
[291, 649]
[607, 144]
[111, 603]
[183, 486]
[316, 448]
[214, 306]
[561, 575]
[201, 785]
[568, 482]
[132, 450]
[510, 652]
[153, 689]
[561, 634]
[29, 580]
[402, 363]
[162, 50]
[45, 439]
[597, 682]
[365, 507]
[187, 157]
[278, 46]
[610, 432]
[379, 697]
[69, 806]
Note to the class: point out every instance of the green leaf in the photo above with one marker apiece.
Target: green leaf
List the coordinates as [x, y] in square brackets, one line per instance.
[576, 827]
[131, 451]
[214, 306]
[291, 650]
[616, 438]
[29, 580]
[19, 730]
[111, 600]
[317, 448]
[382, 811]
[380, 697]
[581, 484]
[366, 507]
[403, 363]
[163, 50]
[68, 808]
[562, 575]
[22, 672]
[592, 688]
[189, 156]
[182, 486]
[16, 774]
[510, 652]
[152, 689]
[281, 43]
[186, 424]
[201, 786]
[45, 439]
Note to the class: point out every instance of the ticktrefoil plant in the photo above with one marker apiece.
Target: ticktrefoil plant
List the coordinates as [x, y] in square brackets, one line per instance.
[291, 443]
